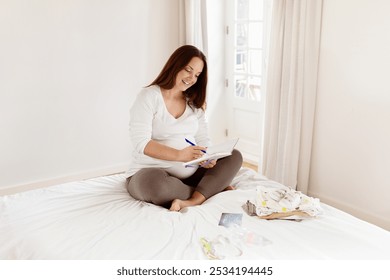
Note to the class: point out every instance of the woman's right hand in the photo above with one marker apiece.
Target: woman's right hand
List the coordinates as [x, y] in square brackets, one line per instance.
[190, 153]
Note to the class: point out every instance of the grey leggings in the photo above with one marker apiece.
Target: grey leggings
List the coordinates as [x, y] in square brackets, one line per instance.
[156, 186]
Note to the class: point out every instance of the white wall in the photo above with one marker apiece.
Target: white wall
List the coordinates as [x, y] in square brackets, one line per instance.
[351, 151]
[69, 70]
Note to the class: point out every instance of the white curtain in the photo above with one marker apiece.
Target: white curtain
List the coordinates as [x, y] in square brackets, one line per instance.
[291, 91]
[193, 24]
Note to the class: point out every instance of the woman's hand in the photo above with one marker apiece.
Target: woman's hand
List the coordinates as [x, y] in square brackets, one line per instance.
[191, 152]
[208, 163]
[160, 151]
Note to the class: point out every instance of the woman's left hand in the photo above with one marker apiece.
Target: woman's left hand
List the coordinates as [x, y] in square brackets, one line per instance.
[208, 163]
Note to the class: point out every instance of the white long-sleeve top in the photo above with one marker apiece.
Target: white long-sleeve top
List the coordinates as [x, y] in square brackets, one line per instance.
[150, 119]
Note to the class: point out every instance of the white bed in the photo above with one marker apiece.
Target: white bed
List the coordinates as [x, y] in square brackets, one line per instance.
[97, 219]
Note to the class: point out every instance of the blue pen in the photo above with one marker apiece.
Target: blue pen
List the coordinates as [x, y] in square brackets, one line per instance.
[192, 144]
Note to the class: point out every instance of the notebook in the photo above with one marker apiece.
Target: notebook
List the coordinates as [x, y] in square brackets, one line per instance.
[215, 152]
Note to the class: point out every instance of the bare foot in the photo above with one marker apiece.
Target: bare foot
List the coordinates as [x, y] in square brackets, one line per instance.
[229, 188]
[176, 205]
[196, 199]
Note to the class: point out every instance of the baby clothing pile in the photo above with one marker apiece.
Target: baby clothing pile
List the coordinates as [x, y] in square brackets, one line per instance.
[283, 203]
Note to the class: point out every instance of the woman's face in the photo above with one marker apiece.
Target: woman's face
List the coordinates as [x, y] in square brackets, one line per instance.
[189, 75]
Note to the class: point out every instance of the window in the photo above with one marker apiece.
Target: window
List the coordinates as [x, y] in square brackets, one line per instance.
[247, 32]
[248, 24]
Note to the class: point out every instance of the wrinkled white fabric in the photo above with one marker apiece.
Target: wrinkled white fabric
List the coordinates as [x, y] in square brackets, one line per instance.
[97, 219]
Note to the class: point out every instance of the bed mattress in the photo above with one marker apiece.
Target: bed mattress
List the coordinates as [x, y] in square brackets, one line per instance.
[97, 219]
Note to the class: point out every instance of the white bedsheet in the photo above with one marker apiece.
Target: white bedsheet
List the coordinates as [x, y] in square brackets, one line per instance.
[97, 219]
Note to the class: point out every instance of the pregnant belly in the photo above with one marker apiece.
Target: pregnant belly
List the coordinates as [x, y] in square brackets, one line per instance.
[181, 172]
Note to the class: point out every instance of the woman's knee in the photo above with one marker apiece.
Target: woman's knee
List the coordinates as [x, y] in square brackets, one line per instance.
[237, 157]
[146, 182]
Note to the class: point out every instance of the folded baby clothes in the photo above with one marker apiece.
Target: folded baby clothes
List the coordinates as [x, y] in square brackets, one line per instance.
[284, 203]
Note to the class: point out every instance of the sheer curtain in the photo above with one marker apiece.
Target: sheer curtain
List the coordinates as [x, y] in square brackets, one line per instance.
[193, 23]
[291, 91]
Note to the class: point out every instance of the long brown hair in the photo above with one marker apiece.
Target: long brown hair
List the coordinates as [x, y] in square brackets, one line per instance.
[196, 94]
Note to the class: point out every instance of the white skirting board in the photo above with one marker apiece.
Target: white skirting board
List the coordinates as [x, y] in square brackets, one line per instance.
[64, 179]
[383, 222]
